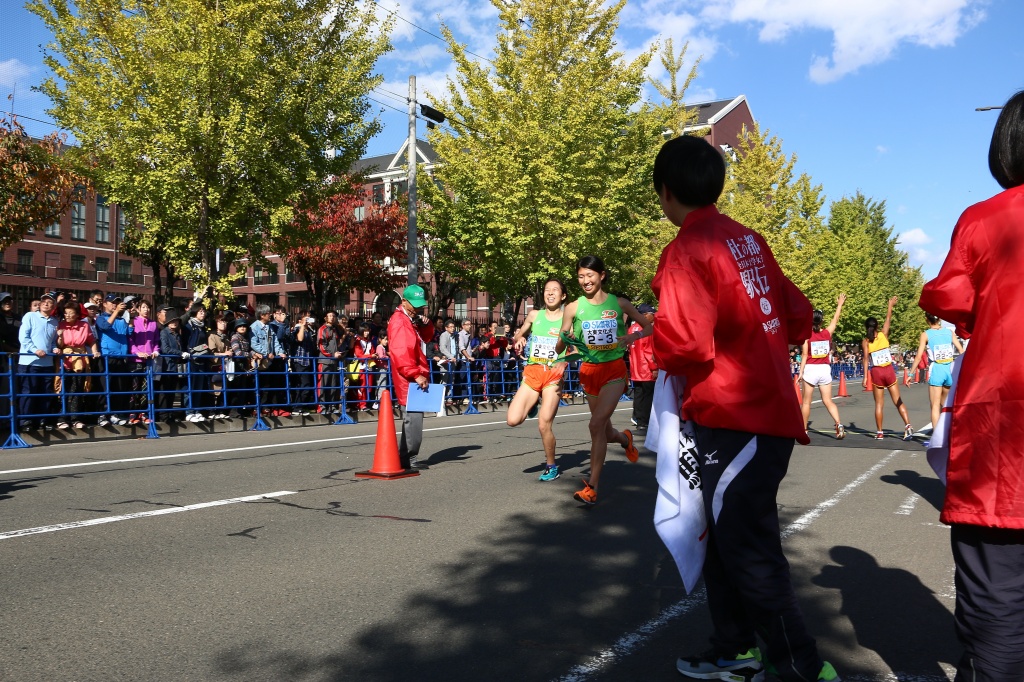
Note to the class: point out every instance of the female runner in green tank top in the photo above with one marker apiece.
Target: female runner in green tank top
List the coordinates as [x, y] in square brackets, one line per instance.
[595, 324]
[543, 373]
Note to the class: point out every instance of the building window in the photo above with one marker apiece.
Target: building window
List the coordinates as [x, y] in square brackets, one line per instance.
[103, 264]
[77, 266]
[360, 213]
[78, 221]
[102, 220]
[53, 229]
[120, 224]
[25, 261]
[461, 305]
[124, 269]
[398, 189]
[378, 194]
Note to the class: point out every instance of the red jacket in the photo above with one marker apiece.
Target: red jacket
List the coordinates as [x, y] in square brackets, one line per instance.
[405, 345]
[978, 290]
[642, 366]
[726, 317]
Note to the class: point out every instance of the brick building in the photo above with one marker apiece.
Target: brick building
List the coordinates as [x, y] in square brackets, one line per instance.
[79, 253]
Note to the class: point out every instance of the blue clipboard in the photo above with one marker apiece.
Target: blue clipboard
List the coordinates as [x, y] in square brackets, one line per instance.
[429, 400]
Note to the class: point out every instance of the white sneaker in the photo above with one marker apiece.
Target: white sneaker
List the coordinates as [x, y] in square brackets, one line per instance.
[190, 417]
[102, 421]
[200, 418]
[117, 421]
[220, 415]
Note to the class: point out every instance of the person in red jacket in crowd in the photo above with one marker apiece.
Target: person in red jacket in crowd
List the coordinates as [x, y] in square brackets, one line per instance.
[727, 317]
[408, 331]
[643, 370]
[978, 291]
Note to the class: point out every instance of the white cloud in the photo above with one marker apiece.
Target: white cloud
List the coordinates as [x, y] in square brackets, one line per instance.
[864, 32]
[914, 237]
[882, 149]
[15, 73]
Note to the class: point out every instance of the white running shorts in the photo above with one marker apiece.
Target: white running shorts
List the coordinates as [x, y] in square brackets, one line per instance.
[818, 375]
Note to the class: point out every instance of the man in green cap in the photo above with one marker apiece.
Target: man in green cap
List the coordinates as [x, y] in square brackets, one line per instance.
[408, 331]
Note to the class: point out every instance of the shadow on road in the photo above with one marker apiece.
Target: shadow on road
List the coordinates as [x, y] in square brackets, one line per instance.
[525, 603]
[893, 613]
[930, 489]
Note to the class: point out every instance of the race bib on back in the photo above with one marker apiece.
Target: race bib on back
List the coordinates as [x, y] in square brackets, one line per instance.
[881, 358]
[944, 353]
[819, 349]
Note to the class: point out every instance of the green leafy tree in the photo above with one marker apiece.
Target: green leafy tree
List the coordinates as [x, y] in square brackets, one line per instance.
[214, 112]
[548, 151]
[763, 192]
[37, 182]
[867, 263]
[675, 114]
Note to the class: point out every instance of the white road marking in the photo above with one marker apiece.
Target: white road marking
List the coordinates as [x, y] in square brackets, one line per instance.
[908, 505]
[631, 641]
[201, 453]
[138, 515]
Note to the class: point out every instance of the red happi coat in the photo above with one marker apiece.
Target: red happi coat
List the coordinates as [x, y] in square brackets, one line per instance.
[405, 346]
[979, 290]
[726, 318]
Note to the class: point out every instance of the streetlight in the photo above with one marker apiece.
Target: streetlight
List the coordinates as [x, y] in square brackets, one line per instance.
[986, 108]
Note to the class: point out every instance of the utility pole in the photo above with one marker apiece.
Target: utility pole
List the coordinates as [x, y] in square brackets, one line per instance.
[411, 259]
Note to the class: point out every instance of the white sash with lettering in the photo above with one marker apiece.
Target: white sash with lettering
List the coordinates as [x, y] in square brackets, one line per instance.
[679, 509]
[938, 448]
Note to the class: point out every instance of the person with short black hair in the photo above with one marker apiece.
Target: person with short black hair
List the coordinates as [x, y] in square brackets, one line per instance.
[726, 317]
[977, 290]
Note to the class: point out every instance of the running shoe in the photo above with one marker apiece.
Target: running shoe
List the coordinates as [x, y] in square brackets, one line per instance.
[632, 454]
[134, 419]
[908, 432]
[840, 432]
[744, 667]
[879, 435]
[102, 421]
[550, 473]
[533, 411]
[79, 425]
[632, 420]
[588, 495]
[117, 421]
[828, 674]
[63, 426]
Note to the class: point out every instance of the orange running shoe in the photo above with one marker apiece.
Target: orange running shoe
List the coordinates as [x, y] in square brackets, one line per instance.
[588, 495]
[632, 454]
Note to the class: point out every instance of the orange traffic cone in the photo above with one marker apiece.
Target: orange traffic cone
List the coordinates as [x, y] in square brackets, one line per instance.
[796, 385]
[386, 462]
[870, 387]
[842, 385]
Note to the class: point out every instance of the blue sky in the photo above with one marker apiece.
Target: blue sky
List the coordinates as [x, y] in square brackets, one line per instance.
[876, 96]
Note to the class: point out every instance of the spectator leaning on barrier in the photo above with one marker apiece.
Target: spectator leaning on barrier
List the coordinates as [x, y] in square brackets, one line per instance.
[9, 324]
[240, 389]
[303, 352]
[37, 337]
[329, 341]
[643, 370]
[75, 341]
[114, 331]
[219, 342]
[170, 372]
[145, 345]
[194, 337]
[408, 330]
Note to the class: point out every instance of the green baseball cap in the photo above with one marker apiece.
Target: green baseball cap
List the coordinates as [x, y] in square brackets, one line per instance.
[414, 295]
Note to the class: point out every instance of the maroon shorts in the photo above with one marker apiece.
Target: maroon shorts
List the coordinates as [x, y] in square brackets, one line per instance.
[883, 377]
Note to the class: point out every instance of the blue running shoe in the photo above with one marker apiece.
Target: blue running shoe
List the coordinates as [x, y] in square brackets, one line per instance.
[533, 411]
[550, 473]
[744, 667]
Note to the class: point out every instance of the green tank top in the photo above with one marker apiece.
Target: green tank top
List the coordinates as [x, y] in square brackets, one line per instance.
[543, 337]
[600, 327]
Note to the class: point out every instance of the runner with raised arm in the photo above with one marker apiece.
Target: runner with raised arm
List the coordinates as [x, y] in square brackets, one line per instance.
[883, 374]
[816, 367]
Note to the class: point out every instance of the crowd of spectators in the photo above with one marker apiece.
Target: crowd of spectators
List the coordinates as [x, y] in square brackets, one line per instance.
[91, 362]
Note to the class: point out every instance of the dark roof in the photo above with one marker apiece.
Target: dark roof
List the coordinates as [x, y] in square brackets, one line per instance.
[395, 160]
[708, 110]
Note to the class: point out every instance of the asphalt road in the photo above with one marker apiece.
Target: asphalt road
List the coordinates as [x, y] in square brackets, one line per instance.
[137, 561]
